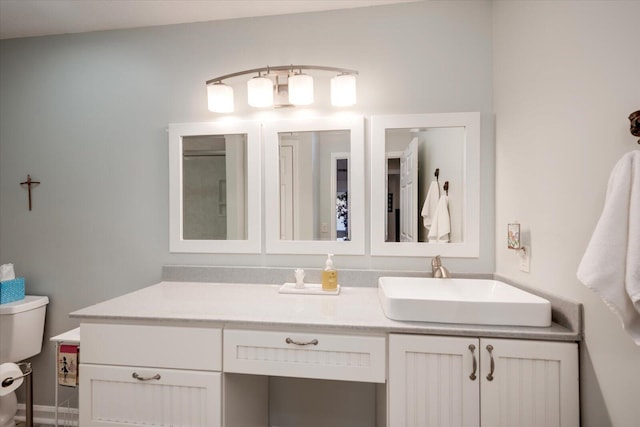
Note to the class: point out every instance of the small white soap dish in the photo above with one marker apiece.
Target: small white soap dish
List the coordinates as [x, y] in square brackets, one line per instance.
[309, 289]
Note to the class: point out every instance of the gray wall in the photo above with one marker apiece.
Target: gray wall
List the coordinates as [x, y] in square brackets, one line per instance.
[87, 114]
[565, 83]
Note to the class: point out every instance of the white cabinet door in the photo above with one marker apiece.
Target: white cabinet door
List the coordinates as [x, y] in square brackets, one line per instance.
[432, 381]
[522, 383]
[113, 396]
[531, 383]
[409, 193]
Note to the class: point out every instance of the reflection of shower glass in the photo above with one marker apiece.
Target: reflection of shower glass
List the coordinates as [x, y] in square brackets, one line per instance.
[222, 197]
[214, 187]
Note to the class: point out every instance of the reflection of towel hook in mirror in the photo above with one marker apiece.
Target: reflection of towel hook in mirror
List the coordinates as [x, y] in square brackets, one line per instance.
[446, 187]
[437, 174]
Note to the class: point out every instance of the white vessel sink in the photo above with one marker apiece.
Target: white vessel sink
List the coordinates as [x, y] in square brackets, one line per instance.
[469, 301]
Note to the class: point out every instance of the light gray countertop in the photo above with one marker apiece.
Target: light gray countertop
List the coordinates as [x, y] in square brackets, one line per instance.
[260, 306]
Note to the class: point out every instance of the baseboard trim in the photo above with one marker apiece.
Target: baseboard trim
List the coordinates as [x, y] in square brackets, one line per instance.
[46, 415]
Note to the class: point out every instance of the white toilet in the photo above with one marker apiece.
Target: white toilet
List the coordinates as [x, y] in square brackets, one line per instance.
[21, 332]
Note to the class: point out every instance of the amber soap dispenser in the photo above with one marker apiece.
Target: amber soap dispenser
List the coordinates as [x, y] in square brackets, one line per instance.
[329, 275]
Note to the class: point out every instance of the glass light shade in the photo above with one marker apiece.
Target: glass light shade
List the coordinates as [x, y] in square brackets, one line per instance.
[301, 89]
[343, 90]
[260, 92]
[220, 98]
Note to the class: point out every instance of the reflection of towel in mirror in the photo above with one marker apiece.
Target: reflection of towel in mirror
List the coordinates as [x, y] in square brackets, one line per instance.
[611, 264]
[441, 225]
[430, 204]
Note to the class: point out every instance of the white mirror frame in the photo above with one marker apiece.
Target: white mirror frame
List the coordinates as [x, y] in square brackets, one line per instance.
[470, 246]
[274, 245]
[176, 133]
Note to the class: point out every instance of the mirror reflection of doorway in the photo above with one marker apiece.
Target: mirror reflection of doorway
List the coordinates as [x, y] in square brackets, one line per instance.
[393, 198]
[402, 194]
[340, 197]
[313, 185]
[287, 165]
[409, 193]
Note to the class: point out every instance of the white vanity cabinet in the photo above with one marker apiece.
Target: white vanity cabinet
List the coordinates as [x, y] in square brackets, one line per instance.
[207, 355]
[150, 375]
[457, 381]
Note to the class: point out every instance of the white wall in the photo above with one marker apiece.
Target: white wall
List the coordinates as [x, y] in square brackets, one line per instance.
[566, 77]
[86, 114]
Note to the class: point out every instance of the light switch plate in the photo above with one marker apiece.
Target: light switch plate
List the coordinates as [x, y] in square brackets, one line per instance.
[525, 259]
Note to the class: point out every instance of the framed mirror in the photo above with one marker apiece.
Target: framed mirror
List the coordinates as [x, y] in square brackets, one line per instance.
[425, 189]
[314, 186]
[214, 189]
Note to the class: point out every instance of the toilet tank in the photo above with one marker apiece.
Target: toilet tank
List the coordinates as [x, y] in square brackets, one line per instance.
[22, 328]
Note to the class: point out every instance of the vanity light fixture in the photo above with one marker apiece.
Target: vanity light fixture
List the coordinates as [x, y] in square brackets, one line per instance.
[260, 91]
[343, 90]
[220, 97]
[281, 86]
[300, 89]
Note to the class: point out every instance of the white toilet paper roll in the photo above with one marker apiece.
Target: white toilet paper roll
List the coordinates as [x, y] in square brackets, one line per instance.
[10, 370]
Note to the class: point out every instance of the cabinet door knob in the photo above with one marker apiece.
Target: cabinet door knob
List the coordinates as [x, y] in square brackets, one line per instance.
[493, 365]
[139, 378]
[290, 341]
[472, 348]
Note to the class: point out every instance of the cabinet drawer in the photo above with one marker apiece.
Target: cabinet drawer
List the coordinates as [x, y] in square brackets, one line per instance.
[153, 346]
[112, 396]
[305, 355]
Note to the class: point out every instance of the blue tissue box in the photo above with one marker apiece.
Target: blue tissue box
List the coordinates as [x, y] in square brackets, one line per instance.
[12, 290]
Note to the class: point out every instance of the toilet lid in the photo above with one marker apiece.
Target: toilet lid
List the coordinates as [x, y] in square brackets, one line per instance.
[29, 302]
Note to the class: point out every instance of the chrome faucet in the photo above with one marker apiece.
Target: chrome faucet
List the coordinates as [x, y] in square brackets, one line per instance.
[438, 270]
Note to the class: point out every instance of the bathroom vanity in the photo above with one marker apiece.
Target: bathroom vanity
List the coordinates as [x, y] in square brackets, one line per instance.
[201, 354]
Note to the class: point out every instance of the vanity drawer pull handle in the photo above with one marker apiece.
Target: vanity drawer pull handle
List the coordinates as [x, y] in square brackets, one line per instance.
[139, 378]
[290, 341]
[475, 362]
[493, 366]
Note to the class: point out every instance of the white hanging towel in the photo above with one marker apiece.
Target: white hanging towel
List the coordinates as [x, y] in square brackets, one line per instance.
[611, 263]
[441, 225]
[430, 204]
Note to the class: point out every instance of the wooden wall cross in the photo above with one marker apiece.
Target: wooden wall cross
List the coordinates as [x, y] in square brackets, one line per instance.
[29, 182]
